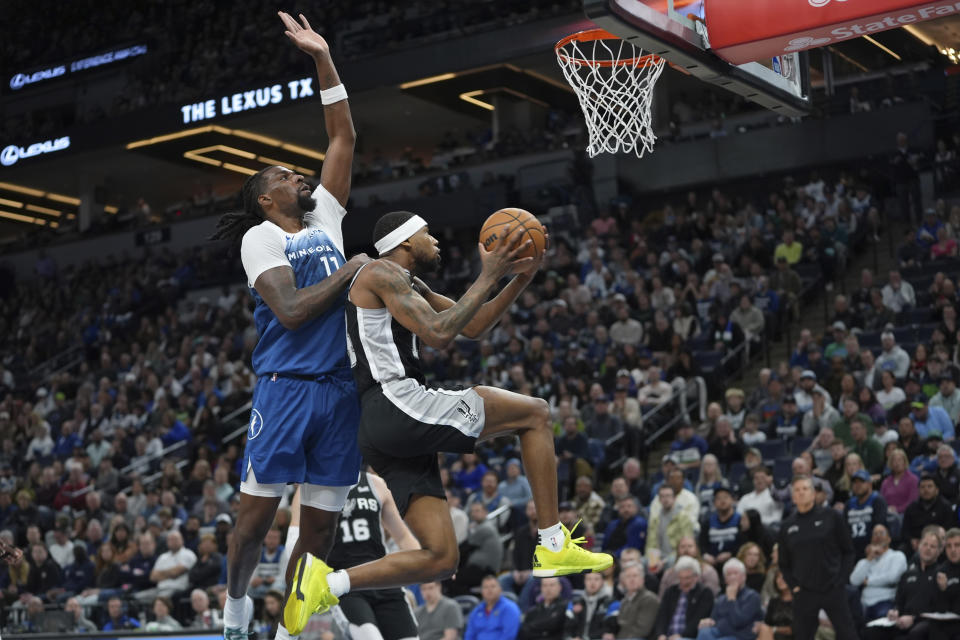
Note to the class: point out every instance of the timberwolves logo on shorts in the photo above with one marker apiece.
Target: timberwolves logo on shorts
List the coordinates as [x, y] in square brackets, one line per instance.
[464, 409]
[256, 425]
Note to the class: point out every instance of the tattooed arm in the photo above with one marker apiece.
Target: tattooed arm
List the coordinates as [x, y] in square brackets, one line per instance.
[489, 314]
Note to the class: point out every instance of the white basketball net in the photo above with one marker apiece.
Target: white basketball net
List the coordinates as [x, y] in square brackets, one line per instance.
[614, 82]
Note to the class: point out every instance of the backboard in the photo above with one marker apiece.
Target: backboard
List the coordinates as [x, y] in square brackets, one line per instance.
[666, 28]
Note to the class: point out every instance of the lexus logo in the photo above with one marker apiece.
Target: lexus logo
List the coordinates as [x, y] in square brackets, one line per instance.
[9, 155]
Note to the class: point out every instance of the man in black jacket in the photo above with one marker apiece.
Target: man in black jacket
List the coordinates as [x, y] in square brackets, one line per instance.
[948, 583]
[916, 593]
[929, 508]
[816, 556]
[586, 612]
[206, 572]
[45, 577]
[546, 620]
[684, 604]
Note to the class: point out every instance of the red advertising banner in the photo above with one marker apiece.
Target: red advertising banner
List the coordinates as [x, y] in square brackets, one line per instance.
[742, 31]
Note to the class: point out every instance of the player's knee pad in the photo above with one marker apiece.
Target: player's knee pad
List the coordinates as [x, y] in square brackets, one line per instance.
[365, 631]
[323, 497]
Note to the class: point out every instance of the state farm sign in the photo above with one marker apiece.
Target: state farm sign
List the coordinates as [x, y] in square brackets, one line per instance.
[768, 28]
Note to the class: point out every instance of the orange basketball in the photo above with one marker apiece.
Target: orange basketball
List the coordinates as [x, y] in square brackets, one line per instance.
[500, 223]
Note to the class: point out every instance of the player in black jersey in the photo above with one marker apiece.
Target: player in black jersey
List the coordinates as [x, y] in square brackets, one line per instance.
[381, 614]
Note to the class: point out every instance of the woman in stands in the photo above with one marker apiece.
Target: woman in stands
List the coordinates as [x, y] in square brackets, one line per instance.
[841, 489]
[753, 558]
[754, 531]
[778, 622]
[899, 488]
[870, 406]
[710, 478]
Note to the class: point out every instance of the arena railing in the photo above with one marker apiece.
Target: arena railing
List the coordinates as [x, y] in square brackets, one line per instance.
[233, 415]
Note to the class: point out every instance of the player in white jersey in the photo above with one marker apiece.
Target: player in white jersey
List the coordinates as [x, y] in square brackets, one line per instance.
[303, 425]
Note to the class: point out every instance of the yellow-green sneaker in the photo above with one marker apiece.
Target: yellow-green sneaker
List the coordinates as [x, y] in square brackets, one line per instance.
[572, 558]
[310, 593]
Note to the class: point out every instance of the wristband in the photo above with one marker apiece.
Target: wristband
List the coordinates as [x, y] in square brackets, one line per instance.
[333, 94]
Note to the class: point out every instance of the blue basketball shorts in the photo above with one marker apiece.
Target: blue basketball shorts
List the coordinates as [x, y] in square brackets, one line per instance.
[304, 431]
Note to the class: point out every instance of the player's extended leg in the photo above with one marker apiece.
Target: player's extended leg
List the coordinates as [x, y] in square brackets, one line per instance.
[507, 412]
[253, 521]
[319, 512]
[429, 520]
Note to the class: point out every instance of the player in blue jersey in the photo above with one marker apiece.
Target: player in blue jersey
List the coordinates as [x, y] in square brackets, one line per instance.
[303, 425]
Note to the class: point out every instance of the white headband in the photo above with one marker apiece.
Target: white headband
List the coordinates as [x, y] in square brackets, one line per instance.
[400, 234]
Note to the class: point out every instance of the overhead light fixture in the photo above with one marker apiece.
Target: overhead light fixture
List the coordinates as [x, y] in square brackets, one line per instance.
[39, 209]
[882, 47]
[428, 80]
[469, 96]
[110, 209]
[844, 56]
[19, 217]
[36, 193]
[197, 155]
[920, 35]
[11, 203]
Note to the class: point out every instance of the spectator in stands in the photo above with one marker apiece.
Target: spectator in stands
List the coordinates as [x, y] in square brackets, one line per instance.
[626, 330]
[439, 617]
[495, 618]
[820, 416]
[80, 622]
[900, 487]
[586, 612]
[117, 619]
[636, 612]
[778, 621]
[655, 392]
[866, 446]
[878, 573]
[515, 486]
[910, 440]
[46, 578]
[171, 569]
[755, 562]
[483, 550]
[948, 398]
[688, 447]
[850, 413]
[468, 472]
[588, 503]
[928, 420]
[947, 474]
[736, 610]
[735, 411]
[683, 604]
[573, 452]
[749, 318]
[491, 498]
[709, 480]
[665, 530]
[929, 508]
[206, 572]
[603, 425]
[720, 534]
[864, 511]
[947, 581]
[789, 248]
[204, 617]
[806, 385]
[761, 498]
[628, 530]
[267, 576]
[898, 294]
[547, 618]
[724, 444]
[916, 594]
[890, 395]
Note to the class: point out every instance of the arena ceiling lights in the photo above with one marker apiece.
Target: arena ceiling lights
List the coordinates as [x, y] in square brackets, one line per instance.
[235, 150]
[17, 202]
[465, 91]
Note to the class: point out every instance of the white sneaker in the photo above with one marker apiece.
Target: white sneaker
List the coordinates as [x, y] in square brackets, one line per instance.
[241, 633]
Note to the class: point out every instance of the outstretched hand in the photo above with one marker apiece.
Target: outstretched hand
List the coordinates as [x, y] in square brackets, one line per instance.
[303, 35]
[537, 262]
[503, 259]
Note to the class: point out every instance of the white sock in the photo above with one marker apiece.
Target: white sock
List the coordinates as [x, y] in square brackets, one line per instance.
[552, 537]
[234, 612]
[339, 582]
[282, 633]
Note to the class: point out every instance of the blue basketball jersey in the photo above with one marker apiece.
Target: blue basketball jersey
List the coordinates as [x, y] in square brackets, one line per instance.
[314, 253]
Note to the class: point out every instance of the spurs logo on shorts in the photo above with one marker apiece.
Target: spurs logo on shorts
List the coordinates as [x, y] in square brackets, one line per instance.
[464, 409]
[256, 425]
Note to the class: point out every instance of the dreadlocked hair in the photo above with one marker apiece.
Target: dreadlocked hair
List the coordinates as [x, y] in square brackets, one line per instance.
[233, 225]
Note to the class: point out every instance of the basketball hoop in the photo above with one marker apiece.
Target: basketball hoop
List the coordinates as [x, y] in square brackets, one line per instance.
[614, 82]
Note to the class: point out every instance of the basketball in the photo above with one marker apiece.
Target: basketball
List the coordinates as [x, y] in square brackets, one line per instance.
[496, 227]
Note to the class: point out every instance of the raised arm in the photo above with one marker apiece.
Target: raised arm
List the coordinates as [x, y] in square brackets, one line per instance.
[338, 163]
